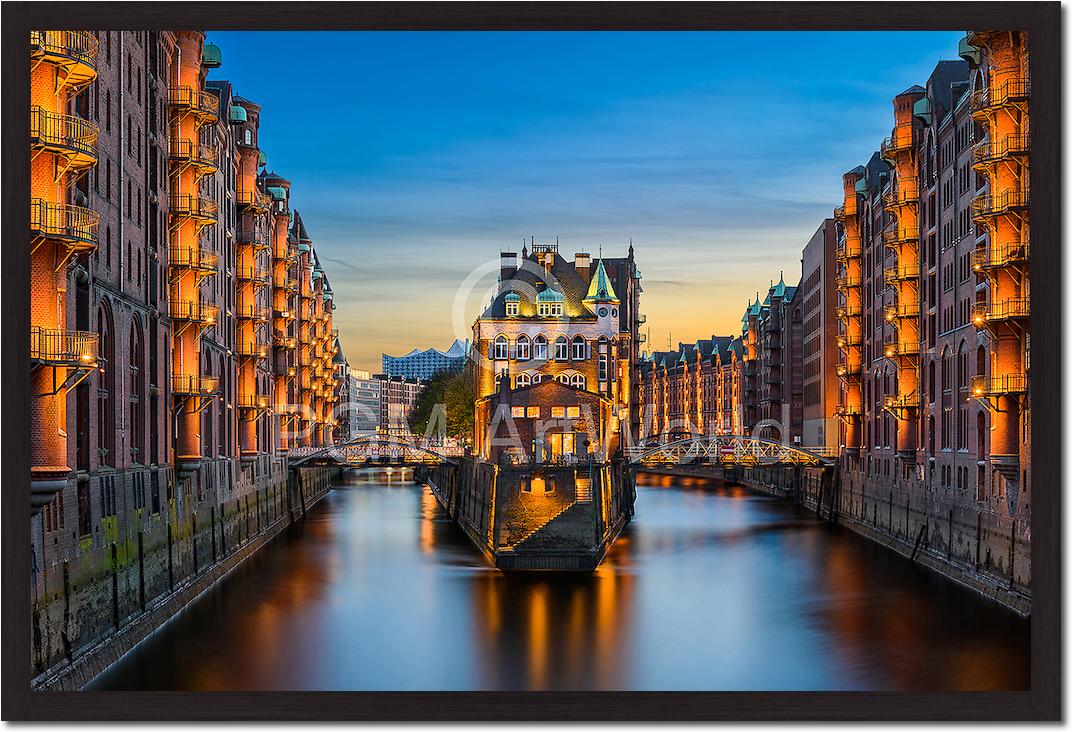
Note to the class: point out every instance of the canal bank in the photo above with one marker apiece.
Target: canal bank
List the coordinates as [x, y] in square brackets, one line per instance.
[710, 587]
[118, 607]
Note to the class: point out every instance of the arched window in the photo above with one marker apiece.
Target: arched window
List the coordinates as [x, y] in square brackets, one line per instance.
[577, 381]
[500, 350]
[539, 348]
[523, 380]
[561, 349]
[137, 395]
[105, 416]
[580, 348]
[523, 352]
[562, 379]
[537, 378]
[249, 136]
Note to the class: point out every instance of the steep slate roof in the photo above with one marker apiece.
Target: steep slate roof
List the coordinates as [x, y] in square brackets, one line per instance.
[600, 288]
[531, 276]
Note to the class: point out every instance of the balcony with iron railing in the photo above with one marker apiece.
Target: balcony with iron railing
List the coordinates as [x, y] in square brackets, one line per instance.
[986, 206]
[983, 386]
[204, 105]
[203, 157]
[901, 273]
[253, 199]
[251, 349]
[284, 313]
[901, 311]
[844, 281]
[74, 226]
[895, 349]
[1009, 92]
[194, 258]
[843, 252]
[848, 311]
[254, 401]
[195, 312]
[285, 342]
[1012, 308]
[839, 214]
[848, 410]
[847, 340]
[249, 235]
[994, 151]
[900, 402]
[900, 141]
[194, 384]
[64, 347]
[896, 236]
[71, 137]
[73, 50]
[845, 370]
[995, 257]
[254, 274]
[195, 206]
[905, 194]
[253, 312]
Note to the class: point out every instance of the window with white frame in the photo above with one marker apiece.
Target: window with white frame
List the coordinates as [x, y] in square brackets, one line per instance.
[562, 379]
[523, 379]
[579, 348]
[577, 381]
[550, 310]
[539, 348]
[603, 367]
[512, 308]
[523, 348]
[501, 348]
[537, 378]
[561, 349]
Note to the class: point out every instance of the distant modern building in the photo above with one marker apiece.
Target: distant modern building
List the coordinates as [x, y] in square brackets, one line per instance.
[425, 364]
[365, 401]
[398, 394]
[817, 294]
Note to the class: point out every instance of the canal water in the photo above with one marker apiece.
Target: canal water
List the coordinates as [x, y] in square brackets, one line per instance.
[711, 587]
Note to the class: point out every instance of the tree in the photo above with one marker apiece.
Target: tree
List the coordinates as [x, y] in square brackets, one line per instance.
[452, 391]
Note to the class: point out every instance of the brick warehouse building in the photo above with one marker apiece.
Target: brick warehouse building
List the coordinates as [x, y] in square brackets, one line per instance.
[573, 323]
[181, 328]
[934, 302]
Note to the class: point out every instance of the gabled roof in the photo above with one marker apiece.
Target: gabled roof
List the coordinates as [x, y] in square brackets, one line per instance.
[600, 289]
[531, 280]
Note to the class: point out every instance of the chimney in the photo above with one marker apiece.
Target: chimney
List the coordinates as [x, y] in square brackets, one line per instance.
[507, 265]
[582, 262]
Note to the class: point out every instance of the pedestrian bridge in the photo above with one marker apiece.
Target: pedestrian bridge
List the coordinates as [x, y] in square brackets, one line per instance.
[373, 450]
[725, 450]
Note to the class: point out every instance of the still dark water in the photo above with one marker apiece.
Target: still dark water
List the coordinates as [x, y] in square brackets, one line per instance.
[710, 588]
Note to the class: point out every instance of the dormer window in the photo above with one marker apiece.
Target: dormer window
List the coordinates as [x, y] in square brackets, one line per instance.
[550, 310]
[513, 305]
[549, 303]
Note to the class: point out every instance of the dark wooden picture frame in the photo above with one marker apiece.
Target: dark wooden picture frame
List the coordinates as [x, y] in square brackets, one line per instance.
[1042, 20]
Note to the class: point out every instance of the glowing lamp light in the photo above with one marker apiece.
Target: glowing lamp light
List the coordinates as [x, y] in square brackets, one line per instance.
[842, 370]
[87, 358]
[889, 351]
[979, 319]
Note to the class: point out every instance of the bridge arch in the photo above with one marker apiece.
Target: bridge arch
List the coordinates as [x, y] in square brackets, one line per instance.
[725, 449]
[372, 450]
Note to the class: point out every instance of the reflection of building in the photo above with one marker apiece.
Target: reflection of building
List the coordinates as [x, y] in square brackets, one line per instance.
[397, 397]
[181, 326]
[425, 364]
[555, 321]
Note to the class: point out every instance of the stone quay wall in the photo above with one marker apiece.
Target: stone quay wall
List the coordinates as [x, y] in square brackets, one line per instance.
[100, 595]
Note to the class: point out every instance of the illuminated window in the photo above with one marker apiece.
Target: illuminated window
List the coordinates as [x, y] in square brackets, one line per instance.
[561, 349]
[501, 348]
[523, 380]
[539, 348]
[533, 412]
[580, 349]
[558, 412]
[573, 411]
[578, 381]
[517, 411]
[523, 348]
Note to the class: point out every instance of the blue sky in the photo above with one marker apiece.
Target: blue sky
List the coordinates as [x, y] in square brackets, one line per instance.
[416, 157]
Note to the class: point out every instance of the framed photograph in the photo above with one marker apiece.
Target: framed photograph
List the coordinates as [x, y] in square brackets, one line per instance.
[532, 361]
